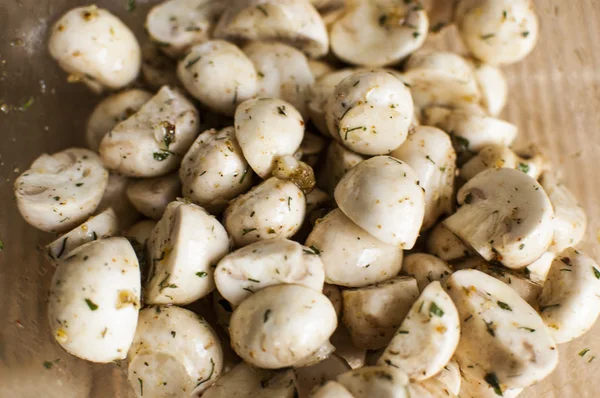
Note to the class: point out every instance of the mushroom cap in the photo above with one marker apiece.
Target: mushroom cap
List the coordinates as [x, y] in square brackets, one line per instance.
[425, 268]
[493, 87]
[320, 68]
[376, 381]
[382, 195]
[445, 245]
[450, 377]
[345, 348]
[315, 375]
[140, 231]
[504, 215]
[334, 294]
[490, 156]
[338, 160]
[59, 191]
[157, 69]
[150, 196]
[115, 197]
[331, 389]
[280, 325]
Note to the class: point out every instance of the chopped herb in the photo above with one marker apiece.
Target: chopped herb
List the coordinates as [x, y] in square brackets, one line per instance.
[169, 132]
[57, 198]
[281, 110]
[79, 184]
[248, 289]
[201, 174]
[435, 310]
[313, 251]
[493, 381]
[244, 175]
[27, 104]
[382, 20]
[490, 328]
[201, 274]
[583, 352]
[271, 231]
[173, 333]
[94, 235]
[521, 246]
[504, 14]
[225, 304]
[163, 284]
[289, 200]
[252, 214]
[62, 249]
[416, 34]
[262, 9]
[406, 84]
[141, 386]
[85, 258]
[193, 29]
[524, 167]
[469, 198]
[421, 306]
[344, 114]
[390, 363]
[438, 27]
[260, 74]
[566, 260]
[468, 318]
[442, 169]
[247, 230]
[545, 307]
[253, 280]
[1, 246]
[525, 34]
[565, 269]
[504, 306]
[462, 143]
[526, 328]
[266, 316]
[356, 84]
[352, 129]
[428, 158]
[317, 251]
[91, 304]
[48, 364]
[131, 4]
[160, 156]
[596, 272]
[192, 62]
[403, 332]
[487, 36]
[592, 358]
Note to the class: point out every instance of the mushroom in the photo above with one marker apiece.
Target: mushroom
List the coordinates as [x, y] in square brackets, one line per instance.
[311, 148]
[176, 25]
[222, 310]
[157, 69]
[338, 160]
[450, 377]
[94, 300]
[140, 231]
[538, 270]
[283, 72]
[273, 209]
[570, 303]
[503, 339]
[345, 348]
[442, 243]
[266, 129]
[60, 191]
[382, 195]
[214, 170]
[321, 354]
[493, 87]
[429, 152]
[152, 141]
[319, 68]
[316, 375]
[430, 388]
[331, 389]
[95, 47]
[112, 110]
[115, 197]
[370, 112]
[373, 314]
[184, 247]
[334, 294]
[150, 196]
[499, 156]
[504, 215]
[103, 225]
[288, 168]
[497, 32]
[280, 325]
[351, 256]
[426, 269]
[175, 353]
[266, 263]
[428, 336]
[376, 381]
[378, 33]
[219, 75]
[474, 387]
[291, 21]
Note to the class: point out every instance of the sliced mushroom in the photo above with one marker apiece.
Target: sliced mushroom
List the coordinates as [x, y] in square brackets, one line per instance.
[373, 314]
[175, 353]
[570, 299]
[351, 256]
[450, 377]
[444, 244]
[338, 160]
[94, 300]
[184, 248]
[334, 294]
[115, 197]
[378, 33]
[60, 191]
[382, 195]
[538, 270]
[95, 47]
[474, 387]
[288, 168]
[503, 340]
[320, 355]
[331, 389]
[425, 268]
[157, 69]
[429, 152]
[112, 110]
[370, 112]
[345, 348]
[499, 156]
[327, 370]
[150, 196]
[152, 141]
[493, 86]
[295, 22]
[504, 215]
[376, 381]
[280, 325]
[219, 75]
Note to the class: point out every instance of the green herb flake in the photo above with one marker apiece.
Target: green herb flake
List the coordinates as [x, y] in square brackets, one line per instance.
[403, 332]
[352, 129]
[382, 20]
[93, 306]
[526, 328]
[254, 280]
[79, 184]
[281, 110]
[461, 143]
[429, 158]
[160, 156]
[271, 231]
[289, 201]
[490, 328]
[487, 36]
[192, 62]
[263, 10]
[525, 34]
[247, 230]
[260, 74]
[317, 251]
[48, 364]
[141, 386]
[266, 316]
[504, 306]
[416, 34]
[504, 14]
[244, 175]
[438, 27]
[356, 84]
[435, 310]
[596, 271]
[545, 307]
[131, 5]
[493, 381]
[201, 274]
[521, 246]
[1, 246]
[583, 352]
[524, 167]
[27, 104]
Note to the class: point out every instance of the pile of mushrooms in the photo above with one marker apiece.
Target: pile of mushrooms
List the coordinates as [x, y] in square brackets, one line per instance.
[343, 209]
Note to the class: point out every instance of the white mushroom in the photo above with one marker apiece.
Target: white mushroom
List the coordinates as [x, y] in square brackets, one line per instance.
[376, 381]
[498, 32]
[425, 268]
[331, 389]
[175, 353]
[60, 191]
[334, 294]
[382, 195]
[184, 248]
[373, 314]
[94, 300]
[380, 32]
[338, 160]
[153, 140]
[370, 112]
[222, 310]
[266, 129]
[498, 156]
[95, 47]
[351, 256]
[157, 69]
[327, 370]
[321, 354]
[112, 110]
[538, 270]
[319, 68]
[219, 75]
[283, 72]
[295, 22]
[345, 348]
[281, 325]
[429, 152]
[503, 340]
[115, 197]
[140, 231]
[493, 86]
[150, 196]
[504, 215]
[444, 244]
[450, 377]
[570, 299]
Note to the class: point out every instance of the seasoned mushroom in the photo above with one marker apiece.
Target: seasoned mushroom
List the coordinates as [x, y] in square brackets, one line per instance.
[345, 348]
[152, 141]
[429, 152]
[60, 191]
[570, 299]
[450, 377]
[538, 270]
[338, 160]
[295, 22]
[318, 374]
[380, 32]
[498, 156]
[498, 32]
[266, 263]
[382, 195]
[376, 381]
[93, 307]
[150, 196]
[266, 129]
[280, 325]
[370, 112]
[175, 353]
[425, 268]
[442, 243]
[331, 389]
[373, 314]
[184, 248]
[319, 68]
[493, 86]
[504, 215]
[157, 69]
[320, 355]
[115, 197]
[351, 256]
[334, 294]
[311, 148]
[474, 387]
[219, 75]
[112, 110]
[503, 340]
